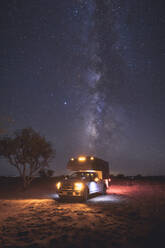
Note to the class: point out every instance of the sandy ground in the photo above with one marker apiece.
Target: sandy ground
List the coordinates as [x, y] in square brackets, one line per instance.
[128, 216]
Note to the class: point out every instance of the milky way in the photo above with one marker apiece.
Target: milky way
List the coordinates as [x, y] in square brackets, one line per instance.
[102, 125]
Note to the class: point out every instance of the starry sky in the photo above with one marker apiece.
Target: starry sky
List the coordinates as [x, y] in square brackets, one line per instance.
[89, 76]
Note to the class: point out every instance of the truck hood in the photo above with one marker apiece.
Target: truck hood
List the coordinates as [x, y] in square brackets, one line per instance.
[71, 180]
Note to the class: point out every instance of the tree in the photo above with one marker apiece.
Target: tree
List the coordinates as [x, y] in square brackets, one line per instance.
[28, 151]
[50, 173]
[46, 173]
[121, 176]
[139, 176]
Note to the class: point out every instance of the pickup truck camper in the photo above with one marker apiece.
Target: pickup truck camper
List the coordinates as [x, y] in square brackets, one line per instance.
[90, 175]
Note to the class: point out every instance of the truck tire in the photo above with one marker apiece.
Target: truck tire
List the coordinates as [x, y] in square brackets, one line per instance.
[86, 194]
[104, 189]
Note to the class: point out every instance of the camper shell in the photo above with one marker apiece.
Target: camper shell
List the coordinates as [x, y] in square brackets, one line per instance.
[89, 164]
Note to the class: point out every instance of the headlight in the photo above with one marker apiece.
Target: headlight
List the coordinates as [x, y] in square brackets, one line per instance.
[96, 179]
[78, 186]
[58, 185]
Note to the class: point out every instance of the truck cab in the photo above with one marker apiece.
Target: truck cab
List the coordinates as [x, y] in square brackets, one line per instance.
[89, 176]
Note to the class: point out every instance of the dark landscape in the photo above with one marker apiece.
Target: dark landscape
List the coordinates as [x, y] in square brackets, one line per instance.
[130, 215]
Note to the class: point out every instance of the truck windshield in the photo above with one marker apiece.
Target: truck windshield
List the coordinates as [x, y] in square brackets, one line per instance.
[83, 175]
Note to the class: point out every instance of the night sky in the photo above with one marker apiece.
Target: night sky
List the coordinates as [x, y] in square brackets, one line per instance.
[89, 76]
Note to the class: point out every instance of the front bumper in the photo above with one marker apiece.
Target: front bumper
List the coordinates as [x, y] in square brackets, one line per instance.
[70, 193]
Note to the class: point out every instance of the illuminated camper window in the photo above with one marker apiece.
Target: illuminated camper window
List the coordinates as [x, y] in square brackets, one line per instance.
[81, 159]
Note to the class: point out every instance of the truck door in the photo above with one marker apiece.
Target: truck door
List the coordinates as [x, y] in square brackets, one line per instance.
[95, 183]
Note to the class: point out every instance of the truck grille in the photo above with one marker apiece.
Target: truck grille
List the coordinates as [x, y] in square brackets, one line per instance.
[67, 186]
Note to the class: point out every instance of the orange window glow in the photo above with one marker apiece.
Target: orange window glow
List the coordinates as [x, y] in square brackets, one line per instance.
[82, 159]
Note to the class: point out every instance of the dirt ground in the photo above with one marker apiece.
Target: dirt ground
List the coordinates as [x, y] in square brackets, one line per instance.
[130, 215]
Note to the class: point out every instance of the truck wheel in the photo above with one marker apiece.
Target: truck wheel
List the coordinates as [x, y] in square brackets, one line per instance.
[86, 194]
[104, 189]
